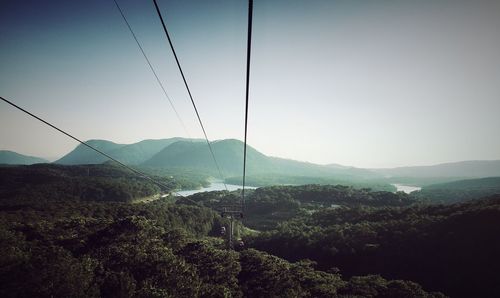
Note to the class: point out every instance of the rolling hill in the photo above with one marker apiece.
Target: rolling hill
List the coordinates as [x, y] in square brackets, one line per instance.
[13, 158]
[176, 154]
[131, 154]
[83, 155]
[469, 184]
[461, 190]
[229, 155]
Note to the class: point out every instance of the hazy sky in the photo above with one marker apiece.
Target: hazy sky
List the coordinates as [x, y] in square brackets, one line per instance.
[363, 83]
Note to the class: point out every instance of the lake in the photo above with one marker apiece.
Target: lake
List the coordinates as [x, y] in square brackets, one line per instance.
[231, 187]
[406, 188]
[213, 187]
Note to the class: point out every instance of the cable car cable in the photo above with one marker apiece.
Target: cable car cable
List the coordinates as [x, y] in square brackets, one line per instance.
[137, 172]
[189, 92]
[249, 48]
[151, 68]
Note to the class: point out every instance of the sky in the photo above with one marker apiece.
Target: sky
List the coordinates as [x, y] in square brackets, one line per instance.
[360, 83]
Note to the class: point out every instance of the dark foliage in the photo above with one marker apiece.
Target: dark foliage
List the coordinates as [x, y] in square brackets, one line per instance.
[160, 249]
[453, 249]
[459, 191]
[266, 207]
[47, 182]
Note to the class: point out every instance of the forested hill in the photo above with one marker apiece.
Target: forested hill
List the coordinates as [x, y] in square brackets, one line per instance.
[160, 249]
[49, 182]
[229, 155]
[13, 158]
[267, 207]
[453, 249]
[84, 155]
[132, 154]
[192, 155]
[458, 191]
[468, 184]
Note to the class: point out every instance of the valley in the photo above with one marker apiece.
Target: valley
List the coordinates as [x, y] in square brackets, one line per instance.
[331, 232]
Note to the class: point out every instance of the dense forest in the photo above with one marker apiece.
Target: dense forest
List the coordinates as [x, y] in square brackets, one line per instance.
[160, 249]
[453, 249]
[459, 191]
[277, 179]
[58, 239]
[266, 207]
[99, 182]
[448, 248]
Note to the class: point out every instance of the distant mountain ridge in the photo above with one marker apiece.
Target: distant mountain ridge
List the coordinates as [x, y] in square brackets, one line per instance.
[462, 169]
[468, 184]
[461, 190]
[131, 154]
[193, 154]
[13, 158]
[229, 155]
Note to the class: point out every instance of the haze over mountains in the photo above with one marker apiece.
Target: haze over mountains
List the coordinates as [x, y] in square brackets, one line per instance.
[470, 169]
[131, 154]
[193, 154]
[13, 158]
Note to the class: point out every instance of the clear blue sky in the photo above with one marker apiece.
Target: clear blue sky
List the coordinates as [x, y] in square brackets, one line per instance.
[363, 83]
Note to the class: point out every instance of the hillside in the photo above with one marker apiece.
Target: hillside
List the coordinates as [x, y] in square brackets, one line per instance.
[13, 158]
[50, 182]
[463, 169]
[132, 154]
[229, 155]
[192, 156]
[100, 182]
[267, 207]
[84, 155]
[160, 249]
[458, 191]
[450, 248]
[469, 184]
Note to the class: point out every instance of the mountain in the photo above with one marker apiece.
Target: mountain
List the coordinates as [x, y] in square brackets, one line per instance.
[137, 153]
[84, 155]
[177, 154]
[229, 155]
[132, 154]
[463, 169]
[13, 158]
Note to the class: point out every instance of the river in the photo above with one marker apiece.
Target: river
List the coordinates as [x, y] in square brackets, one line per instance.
[406, 188]
[213, 187]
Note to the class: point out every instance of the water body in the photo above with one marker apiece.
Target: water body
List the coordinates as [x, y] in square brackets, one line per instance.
[406, 188]
[213, 187]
